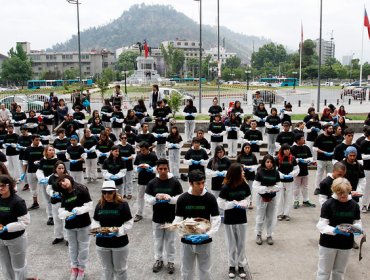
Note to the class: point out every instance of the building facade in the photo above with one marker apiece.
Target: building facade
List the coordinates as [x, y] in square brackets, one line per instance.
[327, 49]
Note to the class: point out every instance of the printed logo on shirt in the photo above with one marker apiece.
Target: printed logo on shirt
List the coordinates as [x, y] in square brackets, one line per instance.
[195, 207]
[238, 194]
[108, 212]
[71, 199]
[4, 209]
[162, 190]
[269, 179]
[343, 214]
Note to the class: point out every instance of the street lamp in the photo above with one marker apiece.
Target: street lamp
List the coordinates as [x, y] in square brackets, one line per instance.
[125, 72]
[218, 48]
[294, 78]
[76, 2]
[200, 55]
[319, 70]
[248, 72]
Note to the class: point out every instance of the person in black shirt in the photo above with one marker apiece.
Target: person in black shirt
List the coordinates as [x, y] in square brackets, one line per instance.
[254, 138]
[117, 120]
[44, 133]
[60, 144]
[144, 165]
[347, 142]
[140, 110]
[114, 169]
[131, 136]
[203, 141]
[76, 155]
[196, 157]
[197, 202]
[160, 133]
[338, 134]
[174, 144]
[154, 97]
[286, 113]
[18, 119]
[89, 142]
[288, 169]
[285, 136]
[214, 110]
[272, 124]
[217, 131]
[232, 126]
[112, 248]
[24, 140]
[117, 96]
[233, 199]
[162, 192]
[335, 244]
[365, 153]
[96, 127]
[132, 120]
[145, 136]
[13, 220]
[75, 208]
[339, 170]
[79, 118]
[128, 154]
[103, 147]
[32, 122]
[324, 147]
[260, 115]
[266, 184]
[106, 113]
[313, 127]
[189, 112]
[161, 112]
[304, 157]
[47, 115]
[299, 128]
[12, 155]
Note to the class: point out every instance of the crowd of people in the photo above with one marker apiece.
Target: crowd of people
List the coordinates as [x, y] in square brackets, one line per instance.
[54, 151]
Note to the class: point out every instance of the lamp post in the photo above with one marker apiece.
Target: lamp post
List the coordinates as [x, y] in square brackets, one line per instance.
[200, 55]
[294, 78]
[319, 70]
[218, 48]
[125, 73]
[248, 72]
[76, 2]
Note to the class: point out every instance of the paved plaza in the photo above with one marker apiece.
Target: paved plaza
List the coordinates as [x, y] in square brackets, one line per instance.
[293, 256]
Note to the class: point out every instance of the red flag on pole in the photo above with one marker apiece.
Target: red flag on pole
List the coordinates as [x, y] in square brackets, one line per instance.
[301, 32]
[367, 23]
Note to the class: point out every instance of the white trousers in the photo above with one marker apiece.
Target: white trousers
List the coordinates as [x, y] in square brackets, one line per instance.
[78, 176]
[236, 239]
[140, 199]
[285, 196]
[161, 150]
[33, 184]
[59, 231]
[332, 262]
[79, 240]
[310, 145]
[196, 253]
[91, 168]
[113, 262]
[213, 147]
[301, 186]
[266, 215]
[232, 146]
[365, 198]
[164, 240]
[117, 131]
[127, 183]
[189, 129]
[13, 258]
[271, 143]
[174, 161]
[323, 168]
[13, 166]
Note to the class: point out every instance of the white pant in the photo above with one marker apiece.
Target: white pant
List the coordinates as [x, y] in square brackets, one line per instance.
[323, 168]
[46, 199]
[117, 131]
[33, 184]
[262, 129]
[114, 262]
[91, 168]
[310, 145]
[13, 258]
[127, 183]
[140, 199]
[161, 150]
[266, 215]
[301, 186]
[332, 262]
[189, 129]
[235, 238]
[13, 166]
[365, 198]
[59, 231]
[213, 147]
[199, 253]
[232, 146]
[271, 140]
[78, 176]
[107, 124]
[285, 196]
[79, 240]
[164, 239]
[174, 161]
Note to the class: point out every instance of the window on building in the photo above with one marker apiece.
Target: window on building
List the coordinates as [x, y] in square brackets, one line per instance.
[186, 43]
[193, 44]
[178, 43]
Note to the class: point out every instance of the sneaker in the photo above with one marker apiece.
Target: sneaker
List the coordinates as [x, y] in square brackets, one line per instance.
[280, 217]
[170, 267]
[158, 265]
[296, 204]
[259, 240]
[269, 240]
[308, 204]
[242, 273]
[67, 243]
[232, 272]
[287, 218]
[355, 245]
[129, 196]
[74, 273]
[81, 274]
[50, 222]
[317, 191]
[57, 240]
[34, 206]
[26, 187]
[138, 218]
[364, 209]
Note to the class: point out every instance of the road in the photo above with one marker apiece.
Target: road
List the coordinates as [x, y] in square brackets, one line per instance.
[293, 256]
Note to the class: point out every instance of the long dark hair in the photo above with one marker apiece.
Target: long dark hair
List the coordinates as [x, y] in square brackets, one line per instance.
[265, 158]
[242, 152]
[234, 176]
[175, 135]
[7, 180]
[3, 169]
[111, 157]
[56, 166]
[141, 103]
[216, 159]
[281, 155]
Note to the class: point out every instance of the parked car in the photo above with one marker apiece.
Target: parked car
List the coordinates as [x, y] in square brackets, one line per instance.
[27, 103]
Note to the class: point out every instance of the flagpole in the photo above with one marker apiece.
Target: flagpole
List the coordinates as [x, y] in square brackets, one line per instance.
[300, 57]
[362, 52]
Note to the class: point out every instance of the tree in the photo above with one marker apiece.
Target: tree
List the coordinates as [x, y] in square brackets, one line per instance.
[174, 59]
[233, 62]
[70, 74]
[108, 74]
[103, 86]
[175, 102]
[51, 75]
[269, 53]
[17, 68]
[127, 61]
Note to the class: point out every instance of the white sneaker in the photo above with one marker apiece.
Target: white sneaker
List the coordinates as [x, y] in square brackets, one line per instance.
[364, 209]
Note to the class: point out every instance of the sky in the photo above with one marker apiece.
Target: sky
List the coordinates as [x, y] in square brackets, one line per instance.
[44, 23]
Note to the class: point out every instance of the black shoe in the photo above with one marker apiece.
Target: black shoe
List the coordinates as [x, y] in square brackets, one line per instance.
[26, 187]
[34, 206]
[170, 267]
[138, 218]
[232, 272]
[242, 273]
[57, 240]
[50, 222]
[259, 240]
[67, 244]
[158, 265]
[317, 191]
[308, 204]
